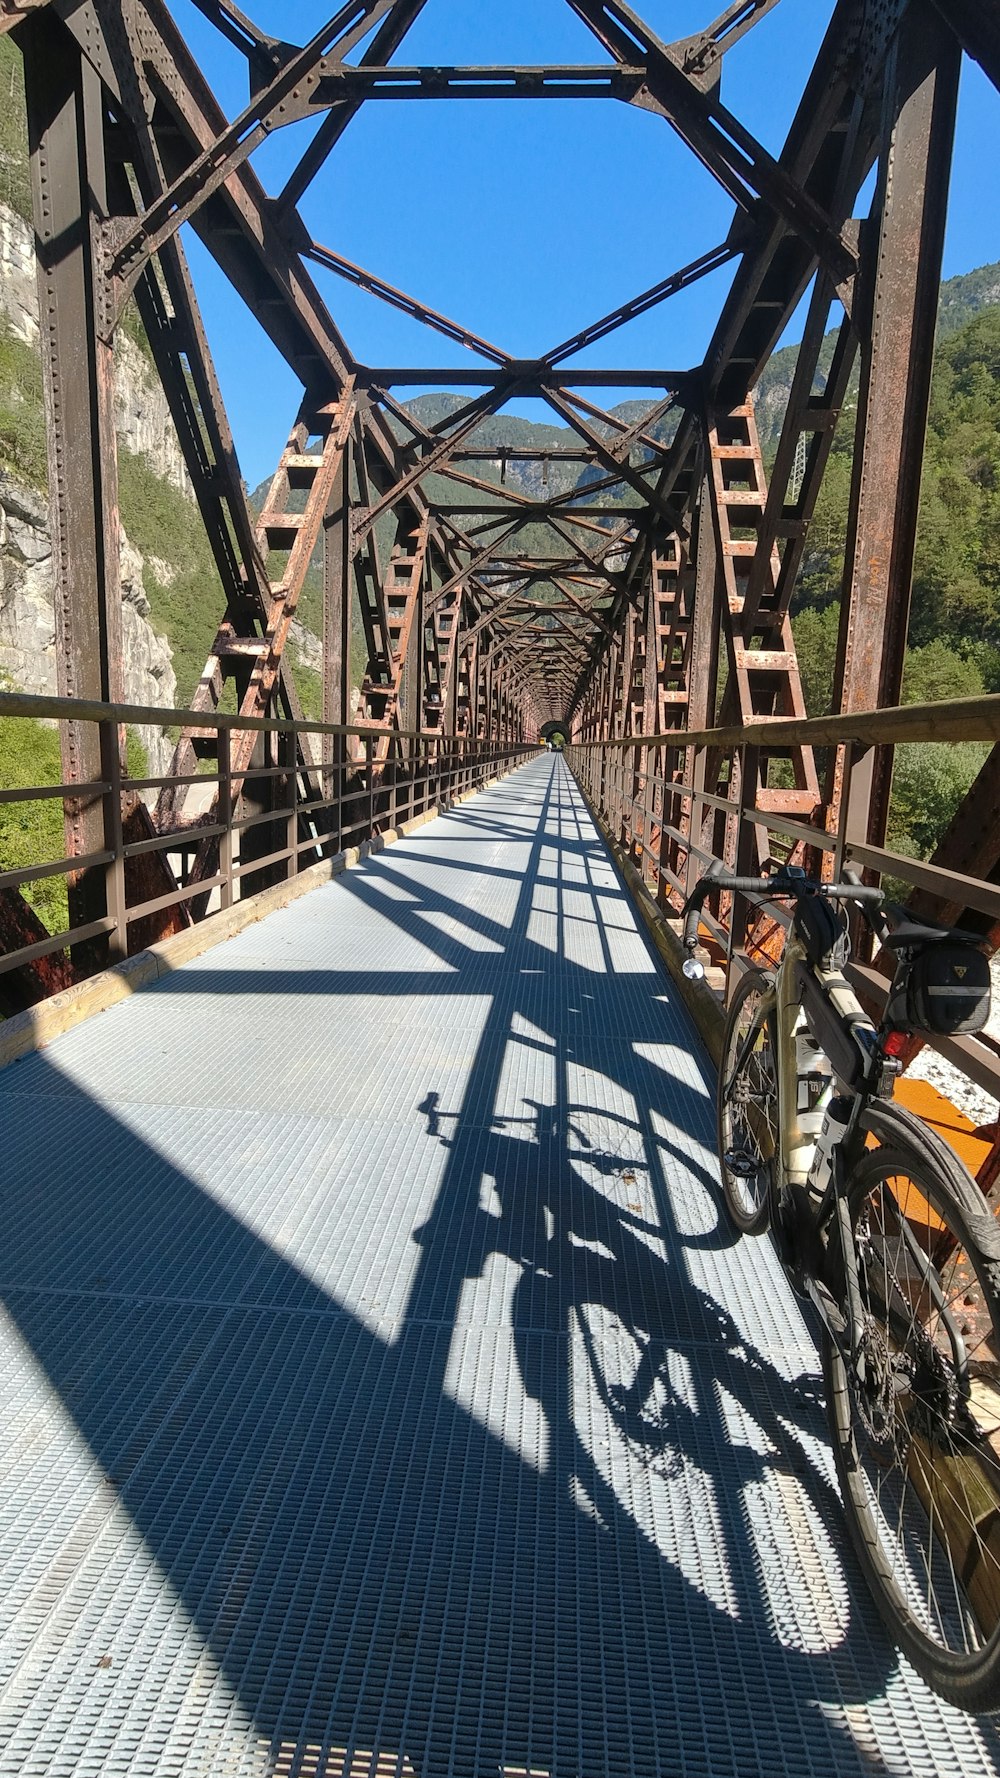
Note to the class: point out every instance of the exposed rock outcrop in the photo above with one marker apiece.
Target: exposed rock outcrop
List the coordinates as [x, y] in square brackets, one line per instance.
[142, 415]
[18, 285]
[27, 616]
[144, 426]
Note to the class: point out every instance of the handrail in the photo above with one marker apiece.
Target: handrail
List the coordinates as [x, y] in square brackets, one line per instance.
[314, 811]
[672, 802]
[954, 719]
[16, 703]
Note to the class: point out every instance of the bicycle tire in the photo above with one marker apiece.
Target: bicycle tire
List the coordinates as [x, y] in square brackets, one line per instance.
[917, 1438]
[747, 1106]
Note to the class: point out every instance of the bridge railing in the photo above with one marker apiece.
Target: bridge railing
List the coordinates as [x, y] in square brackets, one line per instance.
[313, 790]
[671, 803]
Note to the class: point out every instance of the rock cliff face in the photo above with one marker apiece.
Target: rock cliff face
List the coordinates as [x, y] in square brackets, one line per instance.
[27, 613]
[142, 416]
[27, 616]
[18, 290]
[145, 428]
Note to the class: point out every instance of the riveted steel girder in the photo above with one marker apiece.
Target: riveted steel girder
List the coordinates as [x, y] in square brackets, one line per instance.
[487, 617]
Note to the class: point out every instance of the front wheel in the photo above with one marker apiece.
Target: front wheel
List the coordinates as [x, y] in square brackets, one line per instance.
[748, 1103]
[915, 1415]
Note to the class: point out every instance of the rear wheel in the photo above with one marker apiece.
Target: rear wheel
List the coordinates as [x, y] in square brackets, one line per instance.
[915, 1417]
[748, 1104]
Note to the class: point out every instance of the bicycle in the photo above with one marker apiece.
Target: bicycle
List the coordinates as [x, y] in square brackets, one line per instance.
[878, 1223]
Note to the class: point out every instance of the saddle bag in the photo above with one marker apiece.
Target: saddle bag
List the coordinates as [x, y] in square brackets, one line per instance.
[943, 987]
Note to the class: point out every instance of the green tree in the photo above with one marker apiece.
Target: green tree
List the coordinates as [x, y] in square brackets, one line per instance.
[929, 780]
[815, 633]
[32, 832]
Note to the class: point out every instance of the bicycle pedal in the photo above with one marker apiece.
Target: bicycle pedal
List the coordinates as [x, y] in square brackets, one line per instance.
[741, 1164]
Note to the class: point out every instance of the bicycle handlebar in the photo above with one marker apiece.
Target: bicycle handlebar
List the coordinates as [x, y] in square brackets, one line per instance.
[782, 883]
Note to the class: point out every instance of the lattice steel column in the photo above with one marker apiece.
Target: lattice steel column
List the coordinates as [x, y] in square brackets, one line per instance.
[901, 275]
[65, 106]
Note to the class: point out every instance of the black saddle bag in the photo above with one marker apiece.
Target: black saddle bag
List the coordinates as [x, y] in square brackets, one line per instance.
[943, 987]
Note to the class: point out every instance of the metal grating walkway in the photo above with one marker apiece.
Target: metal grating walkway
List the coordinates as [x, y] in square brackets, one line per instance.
[382, 1393]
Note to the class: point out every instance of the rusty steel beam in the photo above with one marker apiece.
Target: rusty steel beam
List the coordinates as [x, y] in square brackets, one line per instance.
[266, 55]
[728, 150]
[221, 157]
[584, 516]
[66, 129]
[398, 299]
[903, 273]
[976, 24]
[338, 83]
[533, 376]
[712, 261]
[384, 44]
[569, 412]
[524, 454]
[700, 56]
[427, 462]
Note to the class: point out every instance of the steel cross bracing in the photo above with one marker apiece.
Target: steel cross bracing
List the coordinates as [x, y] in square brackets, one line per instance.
[667, 612]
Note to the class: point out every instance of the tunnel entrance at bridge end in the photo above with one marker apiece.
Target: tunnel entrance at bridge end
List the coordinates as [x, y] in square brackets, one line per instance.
[556, 732]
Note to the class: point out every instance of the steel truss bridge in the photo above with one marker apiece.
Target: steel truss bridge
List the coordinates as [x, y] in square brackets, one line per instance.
[277, 1440]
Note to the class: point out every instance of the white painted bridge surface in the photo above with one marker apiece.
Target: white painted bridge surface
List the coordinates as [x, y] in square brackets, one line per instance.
[383, 1392]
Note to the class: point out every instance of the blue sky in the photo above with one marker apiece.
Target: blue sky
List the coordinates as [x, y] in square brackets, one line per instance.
[526, 220]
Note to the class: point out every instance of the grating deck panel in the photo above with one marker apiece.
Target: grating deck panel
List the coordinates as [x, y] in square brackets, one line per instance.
[384, 1393]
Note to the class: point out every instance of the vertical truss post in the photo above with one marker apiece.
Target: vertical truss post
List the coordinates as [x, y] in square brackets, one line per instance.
[447, 628]
[111, 770]
[901, 273]
[65, 107]
[667, 693]
[466, 680]
[763, 676]
[603, 697]
[493, 729]
[416, 663]
[225, 817]
[655, 762]
[338, 609]
[703, 670]
[634, 764]
[486, 726]
[479, 691]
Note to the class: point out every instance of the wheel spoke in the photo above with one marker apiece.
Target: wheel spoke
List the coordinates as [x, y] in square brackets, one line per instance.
[748, 1120]
[917, 1422]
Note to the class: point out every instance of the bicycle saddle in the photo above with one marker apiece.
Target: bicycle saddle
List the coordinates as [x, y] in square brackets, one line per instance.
[911, 933]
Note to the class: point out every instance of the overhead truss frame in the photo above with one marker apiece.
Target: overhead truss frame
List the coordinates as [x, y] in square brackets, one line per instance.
[661, 598]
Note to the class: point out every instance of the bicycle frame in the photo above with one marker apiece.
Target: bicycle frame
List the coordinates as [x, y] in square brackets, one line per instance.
[843, 1014]
[783, 1007]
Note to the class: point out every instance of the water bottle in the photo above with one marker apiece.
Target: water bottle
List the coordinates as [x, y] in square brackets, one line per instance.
[815, 1083]
[838, 1112]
